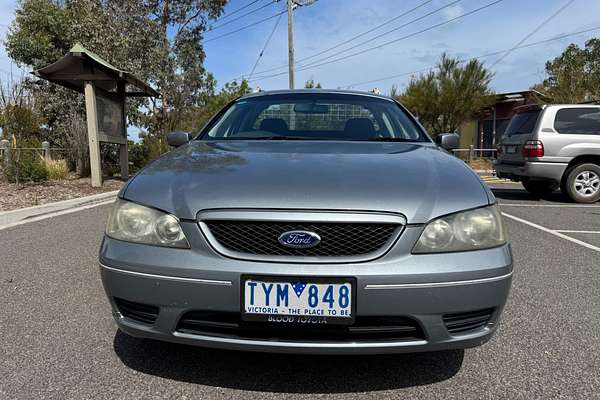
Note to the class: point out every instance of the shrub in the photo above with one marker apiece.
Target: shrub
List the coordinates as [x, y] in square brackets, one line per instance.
[139, 155]
[29, 169]
[57, 169]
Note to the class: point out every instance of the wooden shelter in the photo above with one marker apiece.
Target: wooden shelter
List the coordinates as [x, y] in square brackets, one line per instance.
[105, 88]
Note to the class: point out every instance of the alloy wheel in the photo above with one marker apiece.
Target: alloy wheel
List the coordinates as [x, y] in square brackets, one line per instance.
[587, 183]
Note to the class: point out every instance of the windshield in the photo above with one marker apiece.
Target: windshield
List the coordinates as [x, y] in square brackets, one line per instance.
[314, 116]
[522, 123]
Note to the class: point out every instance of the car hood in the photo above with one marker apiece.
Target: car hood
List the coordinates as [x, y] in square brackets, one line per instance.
[419, 181]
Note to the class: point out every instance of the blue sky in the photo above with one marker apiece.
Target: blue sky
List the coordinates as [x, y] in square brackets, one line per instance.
[329, 22]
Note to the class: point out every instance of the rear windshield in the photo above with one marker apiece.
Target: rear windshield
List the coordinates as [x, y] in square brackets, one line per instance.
[314, 116]
[583, 121]
[522, 123]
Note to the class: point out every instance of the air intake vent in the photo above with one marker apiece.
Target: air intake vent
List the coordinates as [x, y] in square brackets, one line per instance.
[365, 329]
[137, 311]
[467, 321]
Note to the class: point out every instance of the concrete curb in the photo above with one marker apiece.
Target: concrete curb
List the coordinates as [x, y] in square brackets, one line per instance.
[22, 214]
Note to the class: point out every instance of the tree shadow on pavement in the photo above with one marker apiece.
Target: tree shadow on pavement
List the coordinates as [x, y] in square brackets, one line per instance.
[288, 373]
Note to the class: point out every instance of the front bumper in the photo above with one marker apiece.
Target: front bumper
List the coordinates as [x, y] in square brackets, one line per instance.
[423, 288]
[530, 170]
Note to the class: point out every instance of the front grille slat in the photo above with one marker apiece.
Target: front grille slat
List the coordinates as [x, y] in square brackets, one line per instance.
[337, 239]
[229, 324]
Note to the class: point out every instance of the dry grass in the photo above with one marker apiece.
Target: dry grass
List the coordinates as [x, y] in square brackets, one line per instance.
[57, 169]
[481, 164]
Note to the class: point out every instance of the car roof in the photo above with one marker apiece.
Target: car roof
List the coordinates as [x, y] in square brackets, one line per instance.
[315, 91]
[537, 107]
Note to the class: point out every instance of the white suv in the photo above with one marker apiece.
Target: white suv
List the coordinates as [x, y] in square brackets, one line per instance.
[546, 147]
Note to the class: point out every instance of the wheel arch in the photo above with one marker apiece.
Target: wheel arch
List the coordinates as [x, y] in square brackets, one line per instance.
[583, 159]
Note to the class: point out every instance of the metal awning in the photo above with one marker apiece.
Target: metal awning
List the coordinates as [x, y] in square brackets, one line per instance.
[80, 65]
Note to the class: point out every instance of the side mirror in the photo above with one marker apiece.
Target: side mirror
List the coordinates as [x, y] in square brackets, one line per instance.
[178, 138]
[448, 141]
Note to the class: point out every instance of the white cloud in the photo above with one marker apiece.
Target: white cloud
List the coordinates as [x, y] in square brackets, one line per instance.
[453, 11]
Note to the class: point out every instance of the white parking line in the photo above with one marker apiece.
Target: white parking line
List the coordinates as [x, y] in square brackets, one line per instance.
[553, 232]
[57, 213]
[548, 205]
[567, 231]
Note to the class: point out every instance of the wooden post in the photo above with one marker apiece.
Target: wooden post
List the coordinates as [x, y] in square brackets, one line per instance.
[124, 161]
[5, 147]
[46, 150]
[123, 155]
[92, 125]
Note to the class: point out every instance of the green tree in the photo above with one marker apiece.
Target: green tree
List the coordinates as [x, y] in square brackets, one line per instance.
[574, 76]
[158, 40]
[19, 123]
[213, 102]
[446, 97]
[311, 84]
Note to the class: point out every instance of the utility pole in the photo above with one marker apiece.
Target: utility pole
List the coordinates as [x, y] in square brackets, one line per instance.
[290, 12]
[291, 5]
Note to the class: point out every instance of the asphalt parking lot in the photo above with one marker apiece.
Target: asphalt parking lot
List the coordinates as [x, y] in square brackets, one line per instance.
[59, 340]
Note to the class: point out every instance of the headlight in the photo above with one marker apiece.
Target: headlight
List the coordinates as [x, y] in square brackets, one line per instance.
[135, 223]
[481, 228]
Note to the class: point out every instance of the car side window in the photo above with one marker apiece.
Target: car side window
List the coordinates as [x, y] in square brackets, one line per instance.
[582, 121]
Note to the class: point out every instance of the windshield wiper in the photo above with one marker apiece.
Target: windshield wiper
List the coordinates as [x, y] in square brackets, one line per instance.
[392, 139]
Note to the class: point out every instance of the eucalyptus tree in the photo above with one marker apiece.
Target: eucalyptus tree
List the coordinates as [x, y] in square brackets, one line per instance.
[159, 41]
[573, 76]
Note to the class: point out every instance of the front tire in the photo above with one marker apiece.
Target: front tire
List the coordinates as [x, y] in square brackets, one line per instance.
[538, 188]
[582, 183]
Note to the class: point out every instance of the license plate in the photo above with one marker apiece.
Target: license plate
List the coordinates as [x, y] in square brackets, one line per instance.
[295, 300]
[510, 149]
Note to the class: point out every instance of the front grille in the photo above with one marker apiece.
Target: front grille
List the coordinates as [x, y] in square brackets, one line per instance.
[225, 324]
[337, 239]
[467, 321]
[139, 312]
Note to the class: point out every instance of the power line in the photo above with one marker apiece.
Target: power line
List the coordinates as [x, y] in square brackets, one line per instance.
[317, 64]
[244, 27]
[544, 41]
[540, 26]
[422, 17]
[265, 46]
[379, 26]
[240, 17]
[236, 10]
[352, 38]
[373, 38]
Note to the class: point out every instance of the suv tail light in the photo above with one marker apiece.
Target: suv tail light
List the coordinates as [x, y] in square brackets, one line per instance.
[533, 148]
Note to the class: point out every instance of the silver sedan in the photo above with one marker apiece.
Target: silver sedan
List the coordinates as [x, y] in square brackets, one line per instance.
[308, 221]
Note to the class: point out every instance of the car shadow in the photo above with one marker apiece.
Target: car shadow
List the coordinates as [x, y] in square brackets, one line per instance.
[519, 194]
[285, 373]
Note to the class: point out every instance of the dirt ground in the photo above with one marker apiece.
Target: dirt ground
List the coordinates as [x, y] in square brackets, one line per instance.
[33, 194]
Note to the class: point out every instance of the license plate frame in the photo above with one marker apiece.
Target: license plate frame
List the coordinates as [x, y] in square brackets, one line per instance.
[510, 149]
[325, 320]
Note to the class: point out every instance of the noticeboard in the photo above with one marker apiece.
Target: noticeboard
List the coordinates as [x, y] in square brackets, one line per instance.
[110, 119]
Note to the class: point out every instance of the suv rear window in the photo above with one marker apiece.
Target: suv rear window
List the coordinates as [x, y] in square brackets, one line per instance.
[582, 121]
[522, 123]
